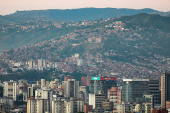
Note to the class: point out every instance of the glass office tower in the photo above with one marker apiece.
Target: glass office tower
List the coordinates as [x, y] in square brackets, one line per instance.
[134, 89]
[102, 84]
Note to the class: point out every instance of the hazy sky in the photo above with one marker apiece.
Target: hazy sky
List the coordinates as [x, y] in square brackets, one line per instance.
[10, 6]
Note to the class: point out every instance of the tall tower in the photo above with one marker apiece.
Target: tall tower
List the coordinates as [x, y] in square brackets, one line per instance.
[154, 90]
[102, 84]
[134, 88]
[165, 89]
[31, 64]
[10, 89]
[71, 88]
[41, 64]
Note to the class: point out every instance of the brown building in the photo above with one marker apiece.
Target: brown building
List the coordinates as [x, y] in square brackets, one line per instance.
[159, 111]
[85, 81]
[88, 108]
[68, 77]
[115, 95]
[165, 89]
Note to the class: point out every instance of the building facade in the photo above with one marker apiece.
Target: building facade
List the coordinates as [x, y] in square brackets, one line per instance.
[71, 88]
[165, 89]
[134, 89]
[10, 89]
[102, 84]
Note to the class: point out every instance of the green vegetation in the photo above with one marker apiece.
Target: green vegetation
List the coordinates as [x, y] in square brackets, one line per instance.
[35, 75]
[144, 20]
[30, 75]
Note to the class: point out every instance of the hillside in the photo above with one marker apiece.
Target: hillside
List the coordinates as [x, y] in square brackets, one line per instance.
[70, 14]
[30, 32]
[133, 46]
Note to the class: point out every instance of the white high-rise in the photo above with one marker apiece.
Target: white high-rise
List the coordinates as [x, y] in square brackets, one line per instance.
[71, 88]
[41, 103]
[10, 89]
[41, 64]
[32, 64]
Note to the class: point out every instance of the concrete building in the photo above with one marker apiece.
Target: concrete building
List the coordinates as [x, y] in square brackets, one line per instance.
[22, 87]
[143, 108]
[32, 65]
[38, 105]
[31, 90]
[114, 95]
[88, 108]
[134, 89]
[71, 88]
[154, 90]
[85, 81]
[67, 105]
[80, 62]
[83, 93]
[6, 104]
[165, 89]
[79, 105]
[96, 100]
[41, 64]
[41, 103]
[58, 106]
[10, 89]
[55, 84]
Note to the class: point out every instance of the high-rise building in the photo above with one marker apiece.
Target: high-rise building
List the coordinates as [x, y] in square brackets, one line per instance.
[31, 90]
[85, 81]
[32, 64]
[6, 104]
[38, 105]
[154, 90]
[67, 105]
[78, 105]
[165, 89]
[134, 89]
[71, 88]
[10, 89]
[102, 84]
[96, 100]
[41, 64]
[88, 108]
[83, 93]
[114, 95]
[41, 103]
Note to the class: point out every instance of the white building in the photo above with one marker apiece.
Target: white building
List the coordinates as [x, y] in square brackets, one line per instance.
[96, 100]
[41, 103]
[38, 105]
[41, 64]
[10, 89]
[31, 64]
[71, 88]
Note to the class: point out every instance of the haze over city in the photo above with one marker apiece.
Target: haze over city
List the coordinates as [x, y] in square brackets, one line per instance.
[11, 6]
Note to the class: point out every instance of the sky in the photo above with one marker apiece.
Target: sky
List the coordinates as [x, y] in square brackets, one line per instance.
[11, 6]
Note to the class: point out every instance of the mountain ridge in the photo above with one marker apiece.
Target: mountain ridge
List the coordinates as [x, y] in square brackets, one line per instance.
[31, 32]
[73, 14]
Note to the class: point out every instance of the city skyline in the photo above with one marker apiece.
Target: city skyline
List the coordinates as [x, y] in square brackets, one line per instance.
[11, 6]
